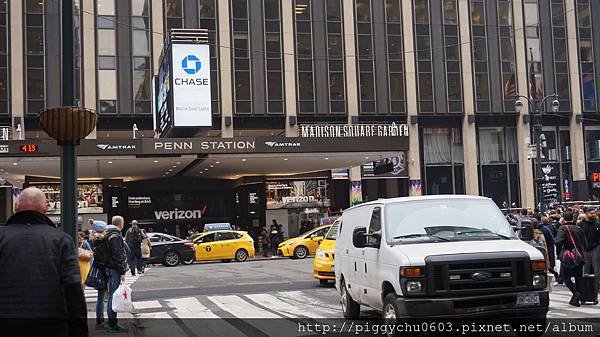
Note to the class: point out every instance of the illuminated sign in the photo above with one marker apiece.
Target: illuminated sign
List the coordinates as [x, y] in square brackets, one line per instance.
[29, 148]
[191, 85]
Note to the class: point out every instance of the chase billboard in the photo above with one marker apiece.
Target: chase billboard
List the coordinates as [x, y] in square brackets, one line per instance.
[191, 85]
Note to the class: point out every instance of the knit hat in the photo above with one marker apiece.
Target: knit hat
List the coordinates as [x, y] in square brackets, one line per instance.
[99, 226]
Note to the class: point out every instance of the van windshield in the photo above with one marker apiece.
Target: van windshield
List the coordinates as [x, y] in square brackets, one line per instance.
[447, 220]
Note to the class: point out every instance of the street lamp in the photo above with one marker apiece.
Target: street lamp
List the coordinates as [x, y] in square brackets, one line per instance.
[535, 107]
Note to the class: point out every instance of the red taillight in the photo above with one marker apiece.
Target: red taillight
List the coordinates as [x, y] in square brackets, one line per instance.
[189, 244]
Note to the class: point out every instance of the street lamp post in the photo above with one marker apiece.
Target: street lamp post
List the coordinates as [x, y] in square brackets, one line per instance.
[536, 107]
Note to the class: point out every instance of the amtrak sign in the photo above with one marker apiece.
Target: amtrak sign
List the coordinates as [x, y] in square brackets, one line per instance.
[191, 85]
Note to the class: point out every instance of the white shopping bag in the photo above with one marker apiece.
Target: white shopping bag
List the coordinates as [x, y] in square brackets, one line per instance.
[121, 300]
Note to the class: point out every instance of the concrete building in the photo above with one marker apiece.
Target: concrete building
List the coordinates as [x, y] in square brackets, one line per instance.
[448, 69]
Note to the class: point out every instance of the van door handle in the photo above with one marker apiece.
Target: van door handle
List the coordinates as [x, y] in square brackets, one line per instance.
[365, 267]
[355, 269]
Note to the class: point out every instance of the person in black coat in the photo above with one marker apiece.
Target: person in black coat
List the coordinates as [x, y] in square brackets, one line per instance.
[40, 292]
[564, 242]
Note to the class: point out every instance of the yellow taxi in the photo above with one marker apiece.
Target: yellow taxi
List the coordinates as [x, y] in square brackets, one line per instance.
[323, 264]
[304, 245]
[224, 245]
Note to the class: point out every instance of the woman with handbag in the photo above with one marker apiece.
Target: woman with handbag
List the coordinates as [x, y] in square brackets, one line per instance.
[85, 256]
[570, 243]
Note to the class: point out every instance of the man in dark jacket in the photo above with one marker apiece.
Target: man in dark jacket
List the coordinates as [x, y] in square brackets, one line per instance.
[39, 274]
[116, 267]
[133, 238]
[563, 241]
[591, 228]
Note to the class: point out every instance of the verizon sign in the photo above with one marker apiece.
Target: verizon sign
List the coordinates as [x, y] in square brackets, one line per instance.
[177, 214]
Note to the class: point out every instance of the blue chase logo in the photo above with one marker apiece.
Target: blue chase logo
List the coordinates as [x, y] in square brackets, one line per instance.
[191, 64]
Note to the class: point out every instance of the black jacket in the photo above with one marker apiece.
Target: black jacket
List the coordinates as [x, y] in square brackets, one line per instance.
[118, 258]
[592, 233]
[39, 275]
[134, 237]
[563, 240]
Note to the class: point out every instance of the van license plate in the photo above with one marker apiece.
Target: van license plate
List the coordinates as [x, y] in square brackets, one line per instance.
[528, 299]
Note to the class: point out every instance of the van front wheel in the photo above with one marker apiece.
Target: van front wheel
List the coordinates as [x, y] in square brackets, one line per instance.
[350, 307]
[390, 309]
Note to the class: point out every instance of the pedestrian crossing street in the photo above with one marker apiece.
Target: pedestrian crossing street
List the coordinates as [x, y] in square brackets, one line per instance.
[91, 294]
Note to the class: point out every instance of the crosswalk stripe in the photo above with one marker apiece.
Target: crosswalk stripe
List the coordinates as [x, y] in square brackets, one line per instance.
[240, 308]
[301, 298]
[290, 307]
[275, 304]
[190, 307]
[147, 305]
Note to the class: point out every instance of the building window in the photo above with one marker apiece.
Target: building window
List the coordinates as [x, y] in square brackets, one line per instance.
[424, 56]
[395, 56]
[534, 50]
[444, 161]
[366, 57]
[107, 54]
[335, 57]
[173, 14]
[4, 71]
[241, 57]
[35, 95]
[304, 57]
[208, 20]
[141, 51]
[561, 61]
[507, 53]
[273, 56]
[480, 56]
[586, 56]
[452, 56]
[498, 165]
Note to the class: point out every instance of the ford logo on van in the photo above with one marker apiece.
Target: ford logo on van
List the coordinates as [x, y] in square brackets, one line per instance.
[481, 276]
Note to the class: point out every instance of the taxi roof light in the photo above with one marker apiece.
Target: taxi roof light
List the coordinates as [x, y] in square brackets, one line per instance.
[411, 272]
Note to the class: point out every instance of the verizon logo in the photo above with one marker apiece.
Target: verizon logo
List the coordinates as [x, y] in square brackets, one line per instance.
[178, 214]
[116, 147]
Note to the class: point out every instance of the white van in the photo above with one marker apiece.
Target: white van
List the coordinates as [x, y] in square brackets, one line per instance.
[437, 257]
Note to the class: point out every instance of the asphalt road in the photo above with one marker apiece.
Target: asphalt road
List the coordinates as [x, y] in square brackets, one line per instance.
[274, 297]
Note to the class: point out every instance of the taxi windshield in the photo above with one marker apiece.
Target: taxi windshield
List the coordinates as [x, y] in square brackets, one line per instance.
[333, 232]
[447, 220]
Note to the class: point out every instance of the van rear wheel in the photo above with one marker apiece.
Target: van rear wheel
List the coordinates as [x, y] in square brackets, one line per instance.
[350, 307]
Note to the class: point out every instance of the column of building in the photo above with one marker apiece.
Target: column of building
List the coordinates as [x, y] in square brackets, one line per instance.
[414, 155]
[289, 66]
[88, 56]
[575, 127]
[224, 45]
[523, 129]
[468, 126]
[17, 87]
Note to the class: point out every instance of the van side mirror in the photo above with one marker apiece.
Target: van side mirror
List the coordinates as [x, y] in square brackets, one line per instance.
[361, 239]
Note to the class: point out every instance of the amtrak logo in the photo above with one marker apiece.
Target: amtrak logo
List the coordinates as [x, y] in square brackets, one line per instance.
[116, 147]
[191, 64]
[283, 144]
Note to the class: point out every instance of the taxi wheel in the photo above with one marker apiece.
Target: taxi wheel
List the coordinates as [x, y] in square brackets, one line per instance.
[188, 262]
[300, 252]
[171, 259]
[241, 255]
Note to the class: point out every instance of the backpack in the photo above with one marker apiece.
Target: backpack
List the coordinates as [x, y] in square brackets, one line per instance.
[539, 245]
[101, 251]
